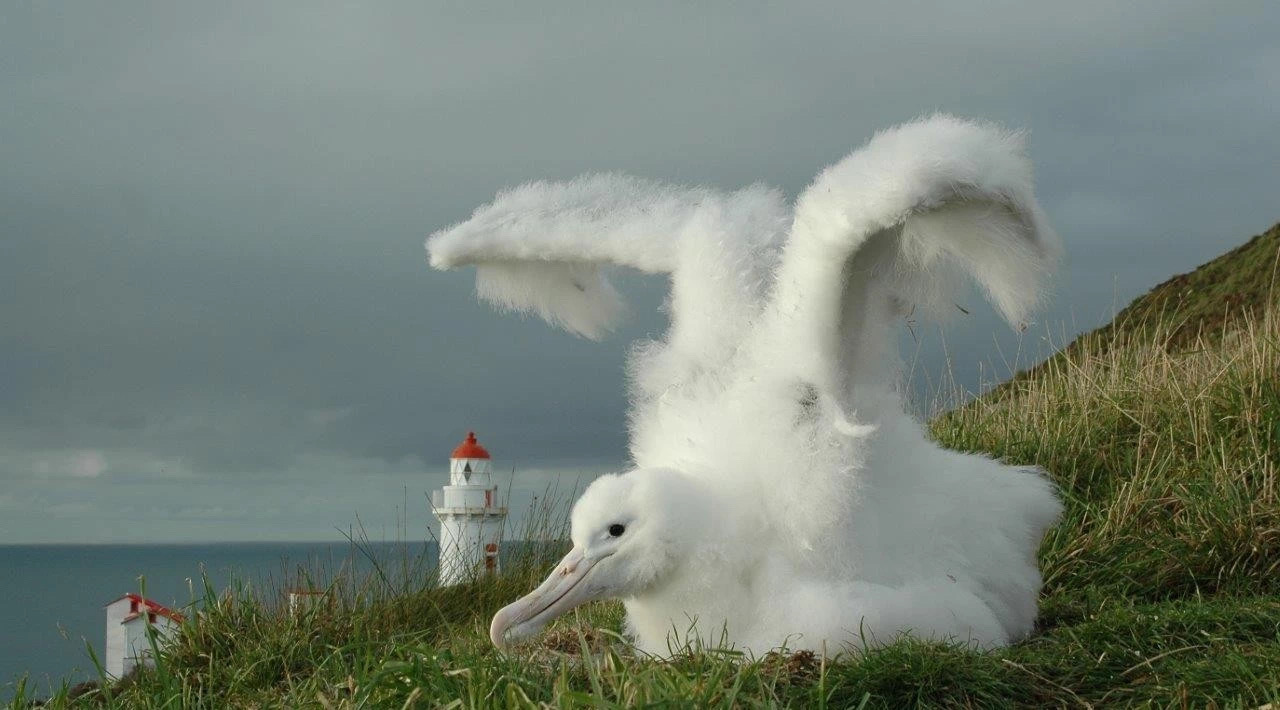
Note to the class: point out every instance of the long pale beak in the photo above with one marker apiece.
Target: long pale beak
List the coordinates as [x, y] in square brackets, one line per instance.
[566, 588]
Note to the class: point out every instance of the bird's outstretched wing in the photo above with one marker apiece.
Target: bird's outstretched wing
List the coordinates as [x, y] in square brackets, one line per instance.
[540, 247]
[881, 232]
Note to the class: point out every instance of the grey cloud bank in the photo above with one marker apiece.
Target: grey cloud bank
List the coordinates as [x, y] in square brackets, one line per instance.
[217, 318]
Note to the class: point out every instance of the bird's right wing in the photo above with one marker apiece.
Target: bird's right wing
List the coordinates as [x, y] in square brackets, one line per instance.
[539, 248]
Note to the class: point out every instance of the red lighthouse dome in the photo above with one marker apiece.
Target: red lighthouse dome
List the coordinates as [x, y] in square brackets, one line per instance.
[469, 449]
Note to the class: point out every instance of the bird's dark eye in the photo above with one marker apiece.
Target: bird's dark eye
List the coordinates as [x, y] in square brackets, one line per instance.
[617, 529]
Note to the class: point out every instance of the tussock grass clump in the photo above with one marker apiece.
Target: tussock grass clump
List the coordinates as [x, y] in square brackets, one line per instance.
[1168, 460]
[1162, 580]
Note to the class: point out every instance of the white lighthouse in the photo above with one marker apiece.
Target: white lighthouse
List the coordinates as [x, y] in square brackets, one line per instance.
[471, 519]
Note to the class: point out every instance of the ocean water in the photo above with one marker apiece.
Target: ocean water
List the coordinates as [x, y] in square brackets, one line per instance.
[51, 596]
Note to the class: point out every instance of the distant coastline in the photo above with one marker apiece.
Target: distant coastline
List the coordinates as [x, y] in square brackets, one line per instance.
[51, 594]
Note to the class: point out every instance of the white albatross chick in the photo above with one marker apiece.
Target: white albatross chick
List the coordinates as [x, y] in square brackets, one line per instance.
[781, 494]
[688, 563]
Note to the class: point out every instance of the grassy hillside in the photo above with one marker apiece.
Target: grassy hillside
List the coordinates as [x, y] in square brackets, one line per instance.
[1195, 309]
[1162, 581]
[1240, 283]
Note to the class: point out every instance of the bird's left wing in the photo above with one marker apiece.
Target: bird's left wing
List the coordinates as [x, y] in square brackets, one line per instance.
[895, 225]
[880, 232]
[539, 248]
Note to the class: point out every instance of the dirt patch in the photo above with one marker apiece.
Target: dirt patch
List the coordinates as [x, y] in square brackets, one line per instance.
[796, 668]
[569, 640]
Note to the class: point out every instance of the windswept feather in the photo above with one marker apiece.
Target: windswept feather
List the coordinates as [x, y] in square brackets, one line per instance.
[539, 248]
[878, 232]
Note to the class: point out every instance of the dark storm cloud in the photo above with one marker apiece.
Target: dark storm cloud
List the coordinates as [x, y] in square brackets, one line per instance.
[211, 216]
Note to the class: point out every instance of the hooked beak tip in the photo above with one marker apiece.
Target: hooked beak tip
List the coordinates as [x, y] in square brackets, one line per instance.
[498, 629]
[560, 592]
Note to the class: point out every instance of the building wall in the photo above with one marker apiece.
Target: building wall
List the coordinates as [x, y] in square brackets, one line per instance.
[113, 658]
[463, 538]
[137, 646]
[469, 496]
[126, 642]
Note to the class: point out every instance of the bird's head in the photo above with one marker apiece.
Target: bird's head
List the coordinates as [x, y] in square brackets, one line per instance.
[630, 533]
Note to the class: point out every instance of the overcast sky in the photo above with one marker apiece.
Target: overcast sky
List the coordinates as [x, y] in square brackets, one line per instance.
[216, 320]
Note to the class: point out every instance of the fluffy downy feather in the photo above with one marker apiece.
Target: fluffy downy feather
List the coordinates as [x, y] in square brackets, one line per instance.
[814, 510]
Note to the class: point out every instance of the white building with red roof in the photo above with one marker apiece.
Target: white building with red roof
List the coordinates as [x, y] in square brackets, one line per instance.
[128, 619]
[471, 516]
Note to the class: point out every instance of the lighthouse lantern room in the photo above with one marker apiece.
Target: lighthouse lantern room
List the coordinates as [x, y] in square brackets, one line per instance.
[471, 519]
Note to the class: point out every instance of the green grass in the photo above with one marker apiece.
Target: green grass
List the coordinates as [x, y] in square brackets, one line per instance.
[1196, 305]
[1194, 309]
[1162, 580]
